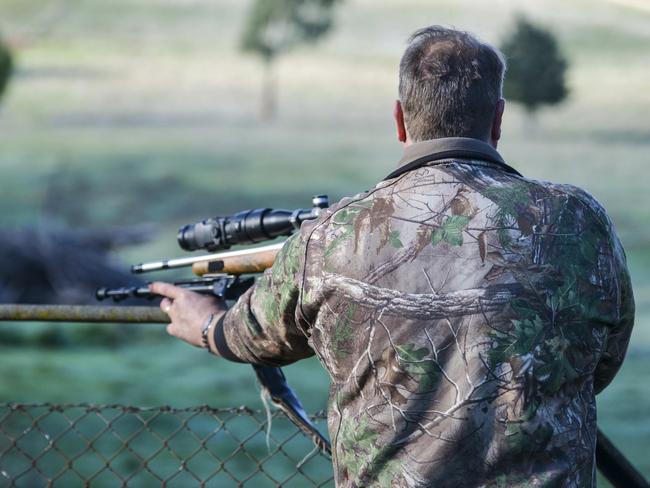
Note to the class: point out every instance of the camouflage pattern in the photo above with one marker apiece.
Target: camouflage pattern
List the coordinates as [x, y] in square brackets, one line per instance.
[467, 318]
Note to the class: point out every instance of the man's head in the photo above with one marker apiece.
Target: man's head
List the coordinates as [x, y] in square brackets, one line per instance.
[450, 86]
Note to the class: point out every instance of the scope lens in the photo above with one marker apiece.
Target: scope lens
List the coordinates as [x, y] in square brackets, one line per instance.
[202, 235]
[186, 238]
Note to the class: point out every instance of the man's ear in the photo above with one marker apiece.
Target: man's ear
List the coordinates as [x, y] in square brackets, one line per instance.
[495, 133]
[398, 115]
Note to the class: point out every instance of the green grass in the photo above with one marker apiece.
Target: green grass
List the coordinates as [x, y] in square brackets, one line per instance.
[131, 112]
[623, 411]
[154, 370]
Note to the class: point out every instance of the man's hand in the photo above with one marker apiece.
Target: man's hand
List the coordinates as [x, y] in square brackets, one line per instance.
[187, 310]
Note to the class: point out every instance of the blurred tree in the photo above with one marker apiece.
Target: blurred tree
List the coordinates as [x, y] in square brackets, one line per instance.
[6, 66]
[536, 67]
[275, 26]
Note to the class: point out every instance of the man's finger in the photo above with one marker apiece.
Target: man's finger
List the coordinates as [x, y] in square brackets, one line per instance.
[165, 289]
[166, 305]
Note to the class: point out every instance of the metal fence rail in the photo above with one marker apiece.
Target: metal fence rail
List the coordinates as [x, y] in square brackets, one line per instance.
[72, 445]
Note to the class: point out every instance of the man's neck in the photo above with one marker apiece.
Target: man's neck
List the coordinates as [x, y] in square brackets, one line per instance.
[491, 141]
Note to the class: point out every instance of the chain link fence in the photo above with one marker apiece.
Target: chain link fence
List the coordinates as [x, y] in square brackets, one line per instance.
[115, 445]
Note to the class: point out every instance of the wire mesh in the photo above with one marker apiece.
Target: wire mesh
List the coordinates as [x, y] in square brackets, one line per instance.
[71, 445]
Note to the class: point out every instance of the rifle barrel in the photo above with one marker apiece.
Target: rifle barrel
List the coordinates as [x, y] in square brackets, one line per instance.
[82, 313]
[189, 261]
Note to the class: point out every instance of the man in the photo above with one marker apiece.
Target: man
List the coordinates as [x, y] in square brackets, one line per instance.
[467, 316]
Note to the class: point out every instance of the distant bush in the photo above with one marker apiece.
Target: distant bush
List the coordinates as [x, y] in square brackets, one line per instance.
[11, 337]
[6, 66]
[105, 335]
[51, 338]
[536, 67]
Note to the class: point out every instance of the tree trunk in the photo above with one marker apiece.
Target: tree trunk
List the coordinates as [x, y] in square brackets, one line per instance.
[268, 107]
[530, 122]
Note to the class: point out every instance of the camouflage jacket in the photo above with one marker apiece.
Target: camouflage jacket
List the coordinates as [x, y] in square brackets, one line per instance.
[467, 317]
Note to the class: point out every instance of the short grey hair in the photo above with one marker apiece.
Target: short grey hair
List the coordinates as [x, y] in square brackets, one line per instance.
[450, 83]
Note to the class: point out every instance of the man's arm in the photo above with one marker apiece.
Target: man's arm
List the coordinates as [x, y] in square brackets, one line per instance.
[619, 334]
[260, 329]
[611, 273]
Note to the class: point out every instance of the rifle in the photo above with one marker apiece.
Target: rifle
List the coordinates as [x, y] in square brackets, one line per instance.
[220, 272]
[220, 276]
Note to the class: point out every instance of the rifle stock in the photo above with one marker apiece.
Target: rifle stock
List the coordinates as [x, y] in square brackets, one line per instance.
[252, 261]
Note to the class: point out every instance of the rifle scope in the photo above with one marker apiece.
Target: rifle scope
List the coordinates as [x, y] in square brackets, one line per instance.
[247, 227]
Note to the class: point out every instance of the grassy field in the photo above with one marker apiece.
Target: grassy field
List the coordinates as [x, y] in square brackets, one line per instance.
[124, 112]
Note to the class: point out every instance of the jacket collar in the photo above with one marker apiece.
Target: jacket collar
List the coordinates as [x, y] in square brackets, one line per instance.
[421, 153]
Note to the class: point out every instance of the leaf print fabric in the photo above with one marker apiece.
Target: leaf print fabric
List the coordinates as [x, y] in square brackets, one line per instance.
[467, 318]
